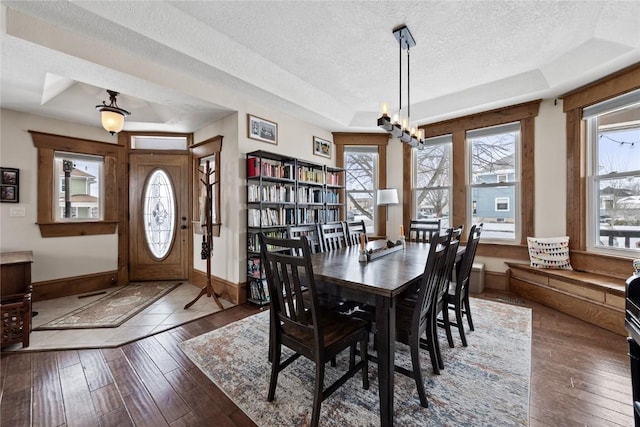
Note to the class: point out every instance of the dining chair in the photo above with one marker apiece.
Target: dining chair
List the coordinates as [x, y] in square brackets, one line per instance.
[354, 229]
[458, 295]
[440, 300]
[333, 235]
[311, 232]
[301, 325]
[421, 230]
[413, 324]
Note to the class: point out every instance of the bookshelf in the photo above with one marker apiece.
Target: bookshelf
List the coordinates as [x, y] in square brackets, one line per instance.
[283, 191]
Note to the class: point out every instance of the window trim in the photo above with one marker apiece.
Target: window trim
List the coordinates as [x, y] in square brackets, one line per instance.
[47, 144]
[574, 102]
[381, 140]
[524, 113]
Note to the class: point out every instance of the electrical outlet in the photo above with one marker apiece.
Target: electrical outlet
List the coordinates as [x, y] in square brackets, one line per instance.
[16, 211]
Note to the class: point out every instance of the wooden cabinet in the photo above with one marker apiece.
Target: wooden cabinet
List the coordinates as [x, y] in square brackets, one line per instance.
[284, 191]
[15, 297]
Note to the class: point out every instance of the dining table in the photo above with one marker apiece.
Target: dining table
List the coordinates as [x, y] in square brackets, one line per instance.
[379, 282]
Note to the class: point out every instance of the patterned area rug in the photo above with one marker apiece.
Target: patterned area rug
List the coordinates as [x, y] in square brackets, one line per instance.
[114, 309]
[486, 383]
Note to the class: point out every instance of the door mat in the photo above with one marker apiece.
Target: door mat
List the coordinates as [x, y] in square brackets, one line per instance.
[114, 309]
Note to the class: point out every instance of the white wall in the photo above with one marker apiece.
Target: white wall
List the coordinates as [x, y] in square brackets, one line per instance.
[54, 257]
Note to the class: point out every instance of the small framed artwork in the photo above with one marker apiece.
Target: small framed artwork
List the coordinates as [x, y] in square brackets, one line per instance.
[321, 147]
[9, 185]
[262, 130]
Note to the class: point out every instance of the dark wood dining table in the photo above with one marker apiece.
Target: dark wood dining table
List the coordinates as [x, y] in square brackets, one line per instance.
[379, 282]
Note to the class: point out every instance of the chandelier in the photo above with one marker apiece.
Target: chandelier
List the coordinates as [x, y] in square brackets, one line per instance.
[112, 116]
[400, 127]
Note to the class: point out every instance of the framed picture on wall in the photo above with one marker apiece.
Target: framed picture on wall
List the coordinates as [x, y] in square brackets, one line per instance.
[262, 130]
[321, 147]
[9, 185]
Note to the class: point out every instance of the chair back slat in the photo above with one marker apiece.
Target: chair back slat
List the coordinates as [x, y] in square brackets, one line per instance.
[423, 230]
[289, 274]
[311, 232]
[466, 265]
[435, 269]
[333, 235]
[354, 230]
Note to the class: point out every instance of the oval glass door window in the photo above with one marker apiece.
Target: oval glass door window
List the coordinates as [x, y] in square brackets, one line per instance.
[159, 213]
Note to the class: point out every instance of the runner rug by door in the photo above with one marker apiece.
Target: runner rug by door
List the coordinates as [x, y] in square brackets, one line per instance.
[114, 309]
[486, 383]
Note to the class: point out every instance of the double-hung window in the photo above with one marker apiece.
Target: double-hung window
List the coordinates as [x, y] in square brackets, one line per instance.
[432, 180]
[613, 198]
[494, 181]
[79, 192]
[361, 171]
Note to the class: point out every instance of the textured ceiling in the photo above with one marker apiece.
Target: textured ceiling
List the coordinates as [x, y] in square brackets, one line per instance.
[181, 65]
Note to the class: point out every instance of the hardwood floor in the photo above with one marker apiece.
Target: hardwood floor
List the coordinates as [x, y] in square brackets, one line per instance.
[579, 376]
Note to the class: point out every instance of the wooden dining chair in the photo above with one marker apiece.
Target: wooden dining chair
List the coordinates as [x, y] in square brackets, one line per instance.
[413, 325]
[440, 300]
[300, 324]
[333, 235]
[421, 230]
[355, 229]
[311, 232]
[458, 295]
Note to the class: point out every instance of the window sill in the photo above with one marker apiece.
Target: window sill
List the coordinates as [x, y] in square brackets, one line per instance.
[65, 229]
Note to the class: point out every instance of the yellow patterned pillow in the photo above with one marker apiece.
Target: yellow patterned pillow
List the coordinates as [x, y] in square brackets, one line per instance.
[549, 252]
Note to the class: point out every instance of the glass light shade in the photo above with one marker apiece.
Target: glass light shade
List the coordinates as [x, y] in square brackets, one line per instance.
[396, 118]
[112, 122]
[387, 196]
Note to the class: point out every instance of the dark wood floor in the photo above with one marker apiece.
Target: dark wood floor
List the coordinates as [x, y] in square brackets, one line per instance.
[579, 376]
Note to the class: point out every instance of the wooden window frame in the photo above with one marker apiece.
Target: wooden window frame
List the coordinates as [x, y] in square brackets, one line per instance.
[199, 151]
[574, 102]
[524, 113]
[342, 139]
[47, 144]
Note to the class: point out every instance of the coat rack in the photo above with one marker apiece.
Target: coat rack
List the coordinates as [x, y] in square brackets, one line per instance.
[207, 245]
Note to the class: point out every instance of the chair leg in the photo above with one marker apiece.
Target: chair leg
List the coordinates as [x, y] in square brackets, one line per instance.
[463, 337]
[447, 325]
[467, 310]
[436, 342]
[417, 371]
[317, 396]
[364, 356]
[432, 352]
[275, 369]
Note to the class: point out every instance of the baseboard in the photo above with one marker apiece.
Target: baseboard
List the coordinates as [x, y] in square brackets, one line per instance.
[234, 292]
[496, 281]
[68, 286]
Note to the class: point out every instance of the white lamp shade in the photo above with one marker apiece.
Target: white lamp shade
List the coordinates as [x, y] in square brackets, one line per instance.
[387, 196]
[112, 122]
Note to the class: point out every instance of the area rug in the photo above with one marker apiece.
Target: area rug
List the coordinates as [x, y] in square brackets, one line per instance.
[114, 309]
[486, 383]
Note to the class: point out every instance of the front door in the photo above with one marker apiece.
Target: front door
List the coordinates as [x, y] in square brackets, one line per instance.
[158, 216]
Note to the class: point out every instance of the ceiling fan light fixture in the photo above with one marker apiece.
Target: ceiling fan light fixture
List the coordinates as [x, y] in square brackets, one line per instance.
[111, 115]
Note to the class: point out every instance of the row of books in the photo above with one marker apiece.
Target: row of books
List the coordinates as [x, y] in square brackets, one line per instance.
[333, 178]
[254, 268]
[332, 197]
[253, 241]
[271, 193]
[309, 195]
[269, 168]
[270, 216]
[259, 290]
[307, 174]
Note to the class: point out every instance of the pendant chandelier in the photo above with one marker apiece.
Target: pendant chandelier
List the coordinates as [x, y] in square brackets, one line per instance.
[401, 127]
[112, 116]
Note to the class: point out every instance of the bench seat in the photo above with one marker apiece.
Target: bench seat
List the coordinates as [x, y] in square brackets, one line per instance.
[592, 297]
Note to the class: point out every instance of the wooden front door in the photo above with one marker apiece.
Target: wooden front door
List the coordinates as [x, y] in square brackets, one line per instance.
[158, 216]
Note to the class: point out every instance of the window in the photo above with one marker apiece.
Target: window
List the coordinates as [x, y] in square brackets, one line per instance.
[79, 194]
[613, 200]
[77, 187]
[432, 180]
[494, 178]
[361, 164]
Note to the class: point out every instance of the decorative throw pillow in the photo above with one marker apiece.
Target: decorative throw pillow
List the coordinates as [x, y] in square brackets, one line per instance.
[549, 252]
